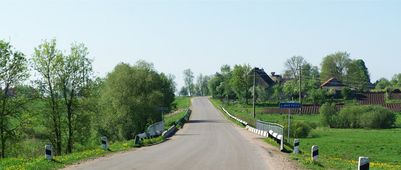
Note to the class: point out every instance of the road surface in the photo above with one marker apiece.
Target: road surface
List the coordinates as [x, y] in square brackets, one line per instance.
[208, 141]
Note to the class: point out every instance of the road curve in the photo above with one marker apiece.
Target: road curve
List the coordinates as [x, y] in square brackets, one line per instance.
[208, 141]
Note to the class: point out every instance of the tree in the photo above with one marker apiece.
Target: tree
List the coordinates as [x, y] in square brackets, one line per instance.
[308, 77]
[277, 92]
[240, 81]
[130, 99]
[214, 83]
[224, 86]
[396, 81]
[189, 81]
[357, 75]
[168, 89]
[292, 66]
[201, 86]
[46, 61]
[13, 70]
[383, 84]
[73, 75]
[335, 65]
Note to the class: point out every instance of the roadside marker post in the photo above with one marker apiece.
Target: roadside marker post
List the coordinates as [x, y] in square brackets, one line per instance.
[363, 163]
[48, 152]
[315, 153]
[281, 142]
[296, 146]
[105, 143]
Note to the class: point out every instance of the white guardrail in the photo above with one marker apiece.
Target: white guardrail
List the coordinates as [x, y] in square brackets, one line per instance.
[265, 129]
[237, 119]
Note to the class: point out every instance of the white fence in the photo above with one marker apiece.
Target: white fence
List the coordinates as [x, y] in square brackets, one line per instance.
[235, 118]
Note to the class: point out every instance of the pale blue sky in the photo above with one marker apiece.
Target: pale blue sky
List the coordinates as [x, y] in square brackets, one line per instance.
[203, 35]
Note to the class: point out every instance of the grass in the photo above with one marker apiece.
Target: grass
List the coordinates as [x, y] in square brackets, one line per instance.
[41, 163]
[339, 148]
[171, 119]
[182, 103]
[153, 141]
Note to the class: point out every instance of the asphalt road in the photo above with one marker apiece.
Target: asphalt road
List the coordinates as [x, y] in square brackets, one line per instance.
[208, 141]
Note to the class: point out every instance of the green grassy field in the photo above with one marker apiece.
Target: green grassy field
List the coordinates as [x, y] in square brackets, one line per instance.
[40, 163]
[339, 148]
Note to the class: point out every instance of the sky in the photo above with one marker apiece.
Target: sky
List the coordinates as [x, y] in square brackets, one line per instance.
[203, 35]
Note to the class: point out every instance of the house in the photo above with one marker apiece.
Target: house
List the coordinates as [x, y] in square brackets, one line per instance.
[278, 79]
[333, 83]
[265, 79]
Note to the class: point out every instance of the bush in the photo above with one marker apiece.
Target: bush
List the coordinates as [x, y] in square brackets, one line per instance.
[327, 114]
[364, 117]
[299, 129]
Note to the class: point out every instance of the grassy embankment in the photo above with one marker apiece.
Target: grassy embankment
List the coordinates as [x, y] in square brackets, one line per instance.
[40, 163]
[182, 103]
[339, 148]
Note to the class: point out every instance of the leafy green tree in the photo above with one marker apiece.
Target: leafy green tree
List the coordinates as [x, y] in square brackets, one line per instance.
[383, 84]
[168, 89]
[13, 70]
[73, 75]
[316, 95]
[189, 81]
[46, 61]
[335, 65]
[240, 81]
[277, 92]
[214, 84]
[396, 81]
[357, 75]
[226, 72]
[130, 98]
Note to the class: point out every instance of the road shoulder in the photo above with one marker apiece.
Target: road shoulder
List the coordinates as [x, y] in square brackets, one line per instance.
[274, 157]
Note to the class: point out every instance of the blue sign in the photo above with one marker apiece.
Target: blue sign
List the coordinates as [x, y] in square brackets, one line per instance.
[290, 105]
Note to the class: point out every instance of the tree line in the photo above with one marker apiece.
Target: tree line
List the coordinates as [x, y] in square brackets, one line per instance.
[54, 97]
[300, 79]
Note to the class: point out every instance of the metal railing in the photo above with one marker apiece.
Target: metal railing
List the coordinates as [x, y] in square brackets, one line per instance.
[267, 126]
[156, 129]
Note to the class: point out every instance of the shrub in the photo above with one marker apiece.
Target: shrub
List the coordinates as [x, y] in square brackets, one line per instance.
[365, 117]
[327, 114]
[299, 129]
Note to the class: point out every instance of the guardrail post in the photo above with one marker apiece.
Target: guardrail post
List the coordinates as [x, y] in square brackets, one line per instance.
[363, 163]
[296, 146]
[315, 153]
[48, 152]
[282, 143]
[105, 143]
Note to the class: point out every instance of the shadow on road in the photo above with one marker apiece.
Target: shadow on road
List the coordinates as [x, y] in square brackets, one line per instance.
[205, 121]
[186, 134]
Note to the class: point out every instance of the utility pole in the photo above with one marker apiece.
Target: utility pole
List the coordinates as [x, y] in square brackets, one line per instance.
[300, 84]
[254, 82]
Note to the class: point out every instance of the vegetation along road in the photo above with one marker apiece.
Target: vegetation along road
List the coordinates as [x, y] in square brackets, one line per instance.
[207, 142]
